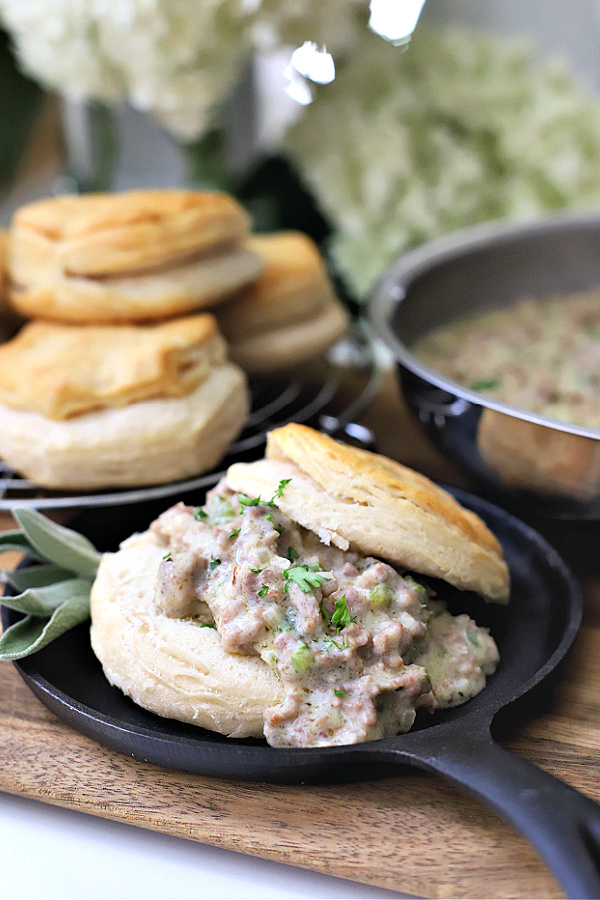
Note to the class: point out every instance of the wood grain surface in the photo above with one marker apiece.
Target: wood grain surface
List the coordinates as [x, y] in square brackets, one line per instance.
[412, 833]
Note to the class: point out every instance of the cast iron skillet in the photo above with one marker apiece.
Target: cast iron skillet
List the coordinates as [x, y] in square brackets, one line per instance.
[534, 633]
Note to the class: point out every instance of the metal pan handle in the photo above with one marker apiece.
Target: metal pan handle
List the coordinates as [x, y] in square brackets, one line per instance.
[563, 824]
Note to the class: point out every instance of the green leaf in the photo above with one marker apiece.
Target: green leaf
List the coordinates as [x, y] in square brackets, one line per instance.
[32, 633]
[17, 540]
[44, 600]
[341, 617]
[36, 576]
[306, 577]
[60, 545]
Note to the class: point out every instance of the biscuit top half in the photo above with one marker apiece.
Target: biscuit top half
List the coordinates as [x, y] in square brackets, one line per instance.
[111, 234]
[360, 500]
[62, 371]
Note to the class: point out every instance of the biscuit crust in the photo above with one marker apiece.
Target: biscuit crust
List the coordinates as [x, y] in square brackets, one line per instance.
[62, 371]
[353, 498]
[149, 442]
[172, 667]
[104, 234]
[181, 288]
[290, 313]
[290, 345]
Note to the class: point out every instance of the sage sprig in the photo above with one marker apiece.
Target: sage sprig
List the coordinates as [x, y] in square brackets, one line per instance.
[54, 592]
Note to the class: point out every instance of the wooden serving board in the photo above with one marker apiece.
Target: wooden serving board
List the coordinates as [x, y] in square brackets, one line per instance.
[411, 833]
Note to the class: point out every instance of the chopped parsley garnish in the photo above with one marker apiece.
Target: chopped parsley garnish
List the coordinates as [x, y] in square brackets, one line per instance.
[206, 625]
[279, 528]
[247, 501]
[235, 533]
[264, 590]
[339, 692]
[256, 571]
[214, 563]
[292, 554]
[168, 557]
[199, 513]
[306, 577]
[341, 617]
[485, 384]
[473, 639]
[279, 492]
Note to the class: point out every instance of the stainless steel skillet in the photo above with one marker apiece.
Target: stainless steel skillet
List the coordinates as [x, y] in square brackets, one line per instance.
[534, 633]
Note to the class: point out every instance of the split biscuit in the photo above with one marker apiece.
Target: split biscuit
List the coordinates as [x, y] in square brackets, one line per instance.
[360, 500]
[173, 667]
[290, 313]
[128, 256]
[95, 406]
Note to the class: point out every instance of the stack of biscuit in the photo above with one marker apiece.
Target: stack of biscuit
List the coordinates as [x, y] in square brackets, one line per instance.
[119, 379]
[122, 376]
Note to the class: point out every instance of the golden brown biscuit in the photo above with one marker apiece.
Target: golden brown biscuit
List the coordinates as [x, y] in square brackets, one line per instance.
[290, 313]
[148, 442]
[353, 498]
[173, 667]
[62, 371]
[84, 406]
[128, 256]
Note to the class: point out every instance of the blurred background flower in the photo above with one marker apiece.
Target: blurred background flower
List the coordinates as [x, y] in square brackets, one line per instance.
[313, 120]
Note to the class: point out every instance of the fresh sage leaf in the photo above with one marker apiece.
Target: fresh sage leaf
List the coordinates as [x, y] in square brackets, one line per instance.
[43, 601]
[36, 576]
[32, 633]
[17, 540]
[58, 544]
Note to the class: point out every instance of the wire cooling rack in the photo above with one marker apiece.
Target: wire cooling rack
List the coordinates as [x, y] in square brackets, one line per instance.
[312, 397]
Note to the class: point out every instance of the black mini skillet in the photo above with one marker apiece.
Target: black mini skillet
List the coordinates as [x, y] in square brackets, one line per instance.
[534, 633]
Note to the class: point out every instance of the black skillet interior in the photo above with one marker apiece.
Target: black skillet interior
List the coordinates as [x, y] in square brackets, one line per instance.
[533, 633]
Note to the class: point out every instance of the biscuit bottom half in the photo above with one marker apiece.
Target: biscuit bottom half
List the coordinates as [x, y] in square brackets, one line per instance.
[151, 442]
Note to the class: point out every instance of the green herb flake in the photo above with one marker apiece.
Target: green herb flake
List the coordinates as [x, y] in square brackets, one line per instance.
[306, 577]
[279, 492]
[168, 557]
[473, 639]
[256, 571]
[292, 554]
[339, 692]
[207, 625]
[264, 590]
[235, 533]
[279, 528]
[214, 563]
[199, 513]
[247, 501]
[341, 617]
[485, 384]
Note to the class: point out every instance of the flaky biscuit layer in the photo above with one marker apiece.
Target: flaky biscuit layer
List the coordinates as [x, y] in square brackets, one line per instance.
[62, 371]
[353, 498]
[178, 289]
[144, 443]
[172, 667]
[102, 234]
[288, 345]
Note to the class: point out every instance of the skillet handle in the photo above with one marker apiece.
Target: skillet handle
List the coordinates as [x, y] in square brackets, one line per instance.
[563, 824]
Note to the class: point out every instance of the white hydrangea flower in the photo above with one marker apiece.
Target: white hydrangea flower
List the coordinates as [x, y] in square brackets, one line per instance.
[458, 129]
[176, 59]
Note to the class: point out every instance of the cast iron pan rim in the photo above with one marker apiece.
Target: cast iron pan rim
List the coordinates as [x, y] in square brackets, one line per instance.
[54, 697]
